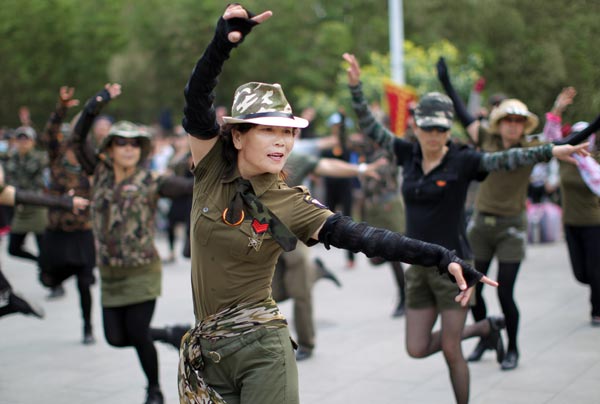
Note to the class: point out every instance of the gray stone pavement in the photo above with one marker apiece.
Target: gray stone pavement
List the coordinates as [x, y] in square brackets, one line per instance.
[360, 355]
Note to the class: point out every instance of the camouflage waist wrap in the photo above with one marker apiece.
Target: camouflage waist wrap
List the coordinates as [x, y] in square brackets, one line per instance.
[235, 321]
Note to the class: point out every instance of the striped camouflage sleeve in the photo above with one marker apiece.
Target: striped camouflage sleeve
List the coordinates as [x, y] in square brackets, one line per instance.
[368, 124]
[514, 158]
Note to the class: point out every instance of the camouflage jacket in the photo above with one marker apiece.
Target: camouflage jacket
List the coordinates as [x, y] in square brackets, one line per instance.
[123, 217]
[123, 214]
[378, 191]
[26, 172]
[64, 175]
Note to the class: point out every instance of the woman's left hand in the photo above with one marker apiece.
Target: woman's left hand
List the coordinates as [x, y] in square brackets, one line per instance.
[465, 293]
[565, 152]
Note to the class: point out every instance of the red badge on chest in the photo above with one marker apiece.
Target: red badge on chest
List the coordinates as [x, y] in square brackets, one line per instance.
[259, 227]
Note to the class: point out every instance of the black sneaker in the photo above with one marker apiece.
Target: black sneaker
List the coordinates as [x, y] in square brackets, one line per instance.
[88, 336]
[303, 353]
[18, 302]
[56, 292]
[154, 395]
[324, 273]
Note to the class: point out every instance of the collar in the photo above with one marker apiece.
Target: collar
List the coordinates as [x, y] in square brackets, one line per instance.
[260, 183]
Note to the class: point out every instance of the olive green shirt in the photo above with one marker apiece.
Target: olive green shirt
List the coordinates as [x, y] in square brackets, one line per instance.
[581, 207]
[226, 270]
[503, 193]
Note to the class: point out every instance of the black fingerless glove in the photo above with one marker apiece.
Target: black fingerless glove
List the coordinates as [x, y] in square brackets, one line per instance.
[40, 199]
[199, 119]
[342, 232]
[93, 106]
[462, 113]
[578, 137]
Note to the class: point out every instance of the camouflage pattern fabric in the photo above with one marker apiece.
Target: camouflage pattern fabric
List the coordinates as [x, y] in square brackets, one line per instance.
[26, 171]
[123, 217]
[517, 157]
[231, 322]
[434, 109]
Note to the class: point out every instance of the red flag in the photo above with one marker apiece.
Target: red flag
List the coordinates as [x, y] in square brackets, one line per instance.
[398, 99]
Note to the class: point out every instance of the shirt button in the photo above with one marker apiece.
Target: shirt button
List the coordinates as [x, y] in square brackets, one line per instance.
[205, 209]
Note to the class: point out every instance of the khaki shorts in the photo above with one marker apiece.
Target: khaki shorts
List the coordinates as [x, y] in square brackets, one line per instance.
[425, 288]
[503, 237]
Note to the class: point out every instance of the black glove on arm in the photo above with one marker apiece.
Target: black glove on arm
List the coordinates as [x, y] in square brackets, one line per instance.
[199, 118]
[578, 137]
[39, 199]
[462, 113]
[342, 232]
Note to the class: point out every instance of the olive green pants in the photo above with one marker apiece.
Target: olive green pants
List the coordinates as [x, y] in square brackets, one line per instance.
[259, 367]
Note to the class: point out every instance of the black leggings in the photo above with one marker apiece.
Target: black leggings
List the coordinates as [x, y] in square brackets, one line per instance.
[130, 326]
[15, 246]
[584, 252]
[507, 277]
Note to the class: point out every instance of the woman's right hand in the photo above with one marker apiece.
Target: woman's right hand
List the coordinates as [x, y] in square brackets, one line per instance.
[238, 11]
[353, 70]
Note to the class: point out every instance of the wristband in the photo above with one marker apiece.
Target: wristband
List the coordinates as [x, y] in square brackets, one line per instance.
[362, 168]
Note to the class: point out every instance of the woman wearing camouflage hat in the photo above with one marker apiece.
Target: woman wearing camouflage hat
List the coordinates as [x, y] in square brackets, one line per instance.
[125, 195]
[243, 217]
[436, 177]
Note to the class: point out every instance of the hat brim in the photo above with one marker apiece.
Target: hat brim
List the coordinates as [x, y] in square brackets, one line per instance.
[531, 123]
[429, 121]
[295, 122]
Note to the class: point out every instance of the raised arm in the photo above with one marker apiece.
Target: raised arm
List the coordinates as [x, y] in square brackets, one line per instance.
[84, 152]
[50, 139]
[368, 124]
[199, 119]
[468, 121]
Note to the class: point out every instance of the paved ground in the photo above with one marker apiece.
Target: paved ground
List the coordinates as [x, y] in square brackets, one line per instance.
[360, 356]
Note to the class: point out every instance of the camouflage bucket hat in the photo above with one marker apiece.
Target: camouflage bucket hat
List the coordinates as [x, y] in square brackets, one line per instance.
[434, 109]
[263, 104]
[128, 130]
[512, 106]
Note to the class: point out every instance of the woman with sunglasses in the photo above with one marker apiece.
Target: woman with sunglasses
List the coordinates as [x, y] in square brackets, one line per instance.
[124, 196]
[498, 227]
[436, 176]
[243, 217]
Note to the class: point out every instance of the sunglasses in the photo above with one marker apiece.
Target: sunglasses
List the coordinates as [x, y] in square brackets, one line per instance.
[122, 142]
[515, 119]
[430, 129]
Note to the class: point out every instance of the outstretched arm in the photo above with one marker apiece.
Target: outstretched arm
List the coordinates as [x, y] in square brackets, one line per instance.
[512, 159]
[199, 114]
[85, 155]
[469, 122]
[552, 127]
[342, 232]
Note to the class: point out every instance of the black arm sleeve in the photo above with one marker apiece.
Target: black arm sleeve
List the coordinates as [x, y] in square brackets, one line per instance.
[85, 155]
[40, 199]
[578, 137]
[199, 113]
[462, 113]
[342, 232]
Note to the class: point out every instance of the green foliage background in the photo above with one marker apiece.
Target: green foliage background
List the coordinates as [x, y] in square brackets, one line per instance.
[529, 50]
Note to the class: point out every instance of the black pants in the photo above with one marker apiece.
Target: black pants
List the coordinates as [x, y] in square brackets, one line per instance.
[16, 242]
[584, 250]
[129, 325]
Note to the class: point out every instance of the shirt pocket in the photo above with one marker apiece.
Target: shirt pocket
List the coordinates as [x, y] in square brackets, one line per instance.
[440, 186]
[204, 219]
